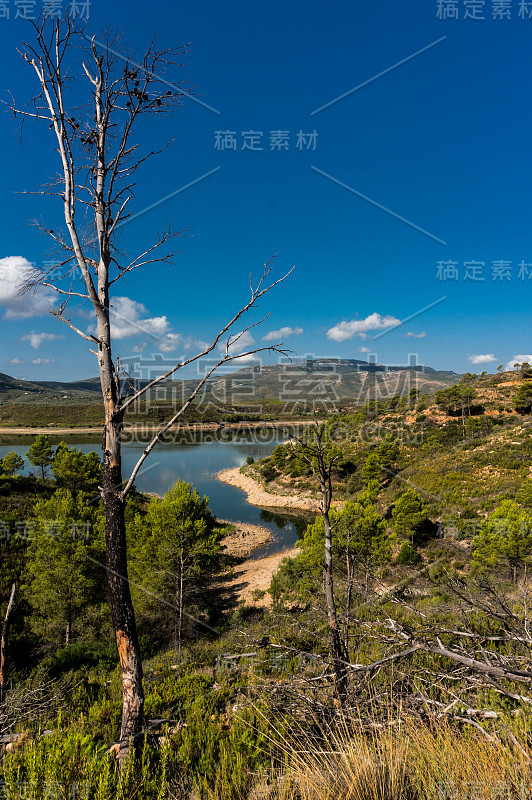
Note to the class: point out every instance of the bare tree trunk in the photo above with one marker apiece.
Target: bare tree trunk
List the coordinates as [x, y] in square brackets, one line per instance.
[120, 595]
[180, 619]
[349, 592]
[337, 650]
[4, 644]
[99, 161]
[315, 455]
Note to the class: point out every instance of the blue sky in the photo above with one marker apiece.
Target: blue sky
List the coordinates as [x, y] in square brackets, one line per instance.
[430, 162]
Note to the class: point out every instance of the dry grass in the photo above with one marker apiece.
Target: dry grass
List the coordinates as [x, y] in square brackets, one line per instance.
[446, 764]
[401, 762]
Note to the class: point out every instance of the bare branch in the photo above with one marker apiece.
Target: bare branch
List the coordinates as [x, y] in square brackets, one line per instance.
[256, 295]
[224, 360]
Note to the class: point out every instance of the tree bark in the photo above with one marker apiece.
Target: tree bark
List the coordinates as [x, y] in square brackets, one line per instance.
[98, 165]
[120, 595]
[180, 620]
[349, 592]
[4, 644]
[337, 650]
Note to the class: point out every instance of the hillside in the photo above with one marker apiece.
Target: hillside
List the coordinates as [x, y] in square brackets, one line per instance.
[328, 380]
[431, 550]
[331, 380]
[460, 466]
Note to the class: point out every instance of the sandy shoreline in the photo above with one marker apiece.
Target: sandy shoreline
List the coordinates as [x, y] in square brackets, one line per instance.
[251, 576]
[258, 497]
[247, 538]
[128, 430]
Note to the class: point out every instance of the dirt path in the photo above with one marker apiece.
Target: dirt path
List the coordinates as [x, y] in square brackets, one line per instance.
[258, 497]
[256, 574]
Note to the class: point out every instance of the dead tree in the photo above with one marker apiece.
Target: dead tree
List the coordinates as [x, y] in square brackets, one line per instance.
[314, 451]
[4, 645]
[92, 97]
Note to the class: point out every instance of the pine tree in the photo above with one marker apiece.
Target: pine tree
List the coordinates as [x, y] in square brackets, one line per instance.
[76, 471]
[66, 576]
[40, 453]
[410, 514]
[11, 463]
[177, 548]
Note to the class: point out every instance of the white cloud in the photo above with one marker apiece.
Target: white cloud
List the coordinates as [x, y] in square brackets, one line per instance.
[359, 327]
[13, 270]
[239, 342]
[129, 318]
[416, 335]
[43, 361]
[36, 339]
[482, 359]
[16, 361]
[170, 342]
[282, 333]
[365, 349]
[518, 360]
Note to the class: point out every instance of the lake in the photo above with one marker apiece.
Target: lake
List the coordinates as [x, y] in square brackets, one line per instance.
[197, 458]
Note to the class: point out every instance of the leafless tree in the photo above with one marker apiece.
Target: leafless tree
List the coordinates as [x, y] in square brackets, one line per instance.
[92, 97]
[312, 448]
[4, 666]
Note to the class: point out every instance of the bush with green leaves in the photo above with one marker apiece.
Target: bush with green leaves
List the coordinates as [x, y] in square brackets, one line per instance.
[523, 398]
[268, 472]
[40, 453]
[76, 471]
[408, 556]
[176, 550]
[10, 464]
[504, 539]
[410, 514]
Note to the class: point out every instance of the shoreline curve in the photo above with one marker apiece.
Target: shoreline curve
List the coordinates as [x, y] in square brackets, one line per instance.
[257, 496]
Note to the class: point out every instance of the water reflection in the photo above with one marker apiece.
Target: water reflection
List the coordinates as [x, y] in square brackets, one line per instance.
[197, 457]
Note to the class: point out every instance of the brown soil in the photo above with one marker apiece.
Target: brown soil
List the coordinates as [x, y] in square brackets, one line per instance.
[246, 538]
[254, 575]
[259, 497]
[199, 426]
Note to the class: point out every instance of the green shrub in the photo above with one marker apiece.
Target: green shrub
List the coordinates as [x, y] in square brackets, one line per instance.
[408, 556]
[268, 472]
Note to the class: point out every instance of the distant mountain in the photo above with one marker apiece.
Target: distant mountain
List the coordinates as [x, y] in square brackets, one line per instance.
[14, 390]
[329, 379]
[292, 382]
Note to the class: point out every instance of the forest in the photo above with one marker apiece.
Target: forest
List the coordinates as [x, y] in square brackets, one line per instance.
[413, 684]
[388, 655]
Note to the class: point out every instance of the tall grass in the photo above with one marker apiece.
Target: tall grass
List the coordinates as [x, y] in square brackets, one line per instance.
[407, 761]
[402, 761]
[447, 765]
[63, 767]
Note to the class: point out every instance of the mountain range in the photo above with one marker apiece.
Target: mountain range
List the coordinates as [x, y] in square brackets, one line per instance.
[326, 379]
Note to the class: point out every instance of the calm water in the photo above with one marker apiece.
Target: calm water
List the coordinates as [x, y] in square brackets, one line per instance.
[197, 461]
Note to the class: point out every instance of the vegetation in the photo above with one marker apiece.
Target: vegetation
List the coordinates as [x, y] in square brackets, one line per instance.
[176, 550]
[40, 454]
[431, 540]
